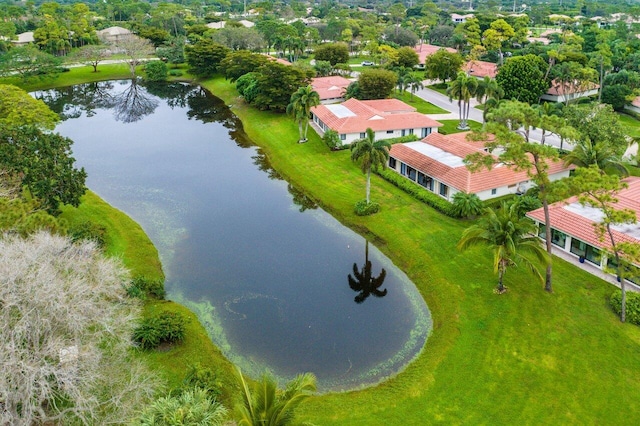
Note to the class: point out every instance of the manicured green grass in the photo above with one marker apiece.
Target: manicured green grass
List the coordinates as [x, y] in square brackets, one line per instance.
[631, 125]
[128, 241]
[78, 75]
[420, 104]
[439, 87]
[451, 126]
[526, 357]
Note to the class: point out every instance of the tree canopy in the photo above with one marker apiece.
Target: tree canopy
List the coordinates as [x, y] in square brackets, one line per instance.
[523, 78]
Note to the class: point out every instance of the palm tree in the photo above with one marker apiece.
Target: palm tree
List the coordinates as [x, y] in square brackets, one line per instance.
[463, 88]
[364, 283]
[586, 153]
[511, 238]
[415, 84]
[371, 154]
[488, 89]
[466, 205]
[192, 407]
[300, 106]
[265, 405]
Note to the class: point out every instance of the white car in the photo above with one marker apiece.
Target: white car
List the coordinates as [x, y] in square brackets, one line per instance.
[367, 63]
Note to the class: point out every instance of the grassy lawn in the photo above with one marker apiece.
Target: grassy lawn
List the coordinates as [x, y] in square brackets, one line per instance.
[526, 357]
[631, 125]
[439, 87]
[420, 104]
[451, 126]
[128, 241]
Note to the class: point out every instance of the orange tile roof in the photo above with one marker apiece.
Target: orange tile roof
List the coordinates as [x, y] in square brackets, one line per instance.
[424, 50]
[379, 115]
[559, 89]
[636, 102]
[330, 87]
[481, 69]
[582, 227]
[458, 176]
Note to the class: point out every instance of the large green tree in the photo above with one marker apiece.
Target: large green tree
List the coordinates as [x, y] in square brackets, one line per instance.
[28, 62]
[300, 107]
[275, 83]
[263, 404]
[18, 108]
[523, 78]
[204, 57]
[510, 237]
[371, 154]
[238, 63]
[335, 53]
[376, 83]
[443, 65]
[599, 124]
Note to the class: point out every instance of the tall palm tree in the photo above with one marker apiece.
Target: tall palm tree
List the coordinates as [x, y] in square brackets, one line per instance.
[415, 84]
[300, 106]
[463, 88]
[371, 154]
[364, 283]
[265, 405]
[487, 89]
[585, 153]
[511, 238]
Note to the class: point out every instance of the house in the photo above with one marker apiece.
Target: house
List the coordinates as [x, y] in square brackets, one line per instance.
[461, 19]
[481, 69]
[573, 231]
[331, 89]
[437, 163]
[424, 50]
[634, 106]
[222, 24]
[23, 39]
[564, 92]
[388, 118]
[114, 34]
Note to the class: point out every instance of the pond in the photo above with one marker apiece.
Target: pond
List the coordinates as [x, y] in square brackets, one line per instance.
[278, 282]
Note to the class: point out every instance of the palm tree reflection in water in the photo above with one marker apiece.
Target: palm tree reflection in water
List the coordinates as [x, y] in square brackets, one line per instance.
[364, 283]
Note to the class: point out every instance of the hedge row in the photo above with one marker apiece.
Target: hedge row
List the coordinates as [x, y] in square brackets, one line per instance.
[416, 191]
[633, 305]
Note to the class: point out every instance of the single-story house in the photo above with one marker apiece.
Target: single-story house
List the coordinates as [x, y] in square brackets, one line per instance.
[634, 106]
[461, 19]
[23, 39]
[481, 69]
[424, 50]
[221, 24]
[388, 118]
[559, 92]
[331, 89]
[437, 163]
[573, 231]
[114, 34]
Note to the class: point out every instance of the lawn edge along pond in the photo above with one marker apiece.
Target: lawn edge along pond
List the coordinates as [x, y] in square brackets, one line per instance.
[523, 357]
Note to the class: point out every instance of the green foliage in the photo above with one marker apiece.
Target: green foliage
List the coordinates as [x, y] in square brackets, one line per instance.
[44, 163]
[443, 65]
[29, 63]
[418, 192]
[364, 208]
[246, 86]
[275, 83]
[143, 287]
[616, 96]
[204, 57]
[466, 205]
[376, 83]
[632, 306]
[236, 64]
[332, 139]
[322, 68]
[23, 217]
[175, 73]
[526, 203]
[172, 51]
[334, 53]
[166, 327]
[204, 378]
[523, 78]
[407, 58]
[192, 407]
[88, 230]
[156, 71]
[18, 108]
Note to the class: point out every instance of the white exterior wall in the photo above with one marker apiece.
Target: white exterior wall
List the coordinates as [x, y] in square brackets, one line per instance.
[569, 96]
[632, 108]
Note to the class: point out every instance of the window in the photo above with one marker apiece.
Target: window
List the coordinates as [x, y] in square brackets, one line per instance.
[411, 173]
[363, 135]
[389, 132]
[425, 181]
[343, 137]
[444, 190]
[585, 251]
[410, 131]
[631, 272]
[494, 191]
[392, 162]
[542, 231]
[558, 238]
[426, 131]
[403, 132]
[403, 169]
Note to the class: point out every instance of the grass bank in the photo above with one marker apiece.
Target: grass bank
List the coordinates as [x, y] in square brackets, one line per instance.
[523, 357]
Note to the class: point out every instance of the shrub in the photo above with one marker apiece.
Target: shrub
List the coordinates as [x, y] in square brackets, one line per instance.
[332, 140]
[166, 327]
[143, 287]
[466, 205]
[156, 71]
[633, 305]
[203, 378]
[416, 191]
[175, 73]
[362, 208]
[89, 231]
[526, 203]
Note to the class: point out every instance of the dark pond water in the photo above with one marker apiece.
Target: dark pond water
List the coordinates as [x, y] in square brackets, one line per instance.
[278, 282]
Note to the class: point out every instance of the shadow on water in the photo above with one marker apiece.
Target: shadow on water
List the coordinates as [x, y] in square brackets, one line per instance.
[364, 282]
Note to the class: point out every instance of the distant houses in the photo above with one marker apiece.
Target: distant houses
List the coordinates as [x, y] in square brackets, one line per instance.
[460, 19]
[437, 163]
[424, 50]
[23, 39]
[565, 92]
[481, 69]
[330, 89]
[388, 118]
[113, 35]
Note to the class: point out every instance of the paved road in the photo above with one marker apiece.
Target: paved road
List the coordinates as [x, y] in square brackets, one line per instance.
[443, 102]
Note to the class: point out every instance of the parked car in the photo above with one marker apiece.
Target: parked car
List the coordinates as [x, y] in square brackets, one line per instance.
[367, 63]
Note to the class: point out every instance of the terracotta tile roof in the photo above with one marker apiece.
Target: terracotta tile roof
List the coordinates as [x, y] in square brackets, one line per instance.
[481, 69]
[454, 173]
[636, 102]
[559, 89]
[424, 50]
[356, 116]
[330, 87]
[564, 217]
[278, 60]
